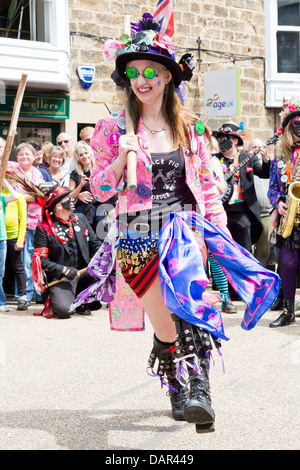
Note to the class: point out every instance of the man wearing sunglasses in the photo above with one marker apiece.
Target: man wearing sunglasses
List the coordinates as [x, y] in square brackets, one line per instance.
[243, 211]
[65, 141]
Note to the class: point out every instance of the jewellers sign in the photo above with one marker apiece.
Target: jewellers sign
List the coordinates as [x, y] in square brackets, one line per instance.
[37, 105]
[222, 93]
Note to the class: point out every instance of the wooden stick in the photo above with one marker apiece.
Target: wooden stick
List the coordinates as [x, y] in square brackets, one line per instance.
[131, 156]
[12, 127]
[53, 283]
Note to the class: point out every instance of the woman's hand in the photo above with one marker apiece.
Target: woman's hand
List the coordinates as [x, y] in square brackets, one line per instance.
[83, 181]
[86, 197]
[127, 143]
[19, 246]
[282, 208]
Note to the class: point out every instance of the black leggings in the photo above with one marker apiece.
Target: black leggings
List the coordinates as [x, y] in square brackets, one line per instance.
[15, 261]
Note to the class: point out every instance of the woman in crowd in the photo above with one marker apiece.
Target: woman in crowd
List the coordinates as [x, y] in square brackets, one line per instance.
[15, 222]
[79, 181]
[25, 155]
[56, 160]
[5, 199]
[39, 161]
[285, 169]
[46, 149]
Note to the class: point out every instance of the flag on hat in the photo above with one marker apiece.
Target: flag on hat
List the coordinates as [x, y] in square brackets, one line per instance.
[165, 17]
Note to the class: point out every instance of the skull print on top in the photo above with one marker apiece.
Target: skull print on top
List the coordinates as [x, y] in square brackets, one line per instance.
[170, 192]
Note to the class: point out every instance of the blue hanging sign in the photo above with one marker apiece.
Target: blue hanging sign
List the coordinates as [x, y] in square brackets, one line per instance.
[86, 75]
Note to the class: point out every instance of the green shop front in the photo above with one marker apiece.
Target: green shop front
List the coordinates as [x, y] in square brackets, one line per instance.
[41, 117]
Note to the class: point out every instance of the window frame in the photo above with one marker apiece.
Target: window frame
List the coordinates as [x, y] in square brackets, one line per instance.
[278, 85]
[47, 63]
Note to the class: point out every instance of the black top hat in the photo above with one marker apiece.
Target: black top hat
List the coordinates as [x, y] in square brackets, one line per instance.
[229, 128]
[147, 43]
[54, 196]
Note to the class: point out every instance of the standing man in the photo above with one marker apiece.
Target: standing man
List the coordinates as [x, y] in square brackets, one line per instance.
[86, 134]
[65, 141]
[242, 208]
[262, 246]
[64, 244]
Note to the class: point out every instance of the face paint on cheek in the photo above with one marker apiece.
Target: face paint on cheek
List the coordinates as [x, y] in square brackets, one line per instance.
[158, 83]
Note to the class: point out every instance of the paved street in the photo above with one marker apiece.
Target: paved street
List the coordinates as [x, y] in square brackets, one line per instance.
[73, 384]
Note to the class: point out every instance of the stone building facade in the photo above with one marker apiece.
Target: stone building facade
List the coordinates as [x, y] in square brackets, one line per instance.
[232, 35]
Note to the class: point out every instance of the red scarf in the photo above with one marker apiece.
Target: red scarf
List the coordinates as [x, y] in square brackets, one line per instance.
[65, 222]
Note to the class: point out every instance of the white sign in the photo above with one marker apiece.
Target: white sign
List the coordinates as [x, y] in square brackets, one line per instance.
[222, 93]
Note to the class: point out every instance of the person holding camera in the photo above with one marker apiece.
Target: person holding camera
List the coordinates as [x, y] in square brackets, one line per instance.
[79, 181]
[80, 186]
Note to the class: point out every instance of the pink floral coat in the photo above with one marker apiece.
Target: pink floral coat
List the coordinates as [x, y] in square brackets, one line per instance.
[199, 178]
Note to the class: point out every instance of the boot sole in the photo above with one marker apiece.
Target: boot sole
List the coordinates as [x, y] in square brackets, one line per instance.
[201, 416]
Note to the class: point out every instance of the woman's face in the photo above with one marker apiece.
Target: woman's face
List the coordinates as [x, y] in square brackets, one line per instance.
[149, 90]
[25, 158]
[84, 157]
[56, 160]
[38, 158]
[295, 128]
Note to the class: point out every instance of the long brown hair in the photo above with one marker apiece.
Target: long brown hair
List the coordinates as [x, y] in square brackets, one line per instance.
[286, 144]
[178, 116]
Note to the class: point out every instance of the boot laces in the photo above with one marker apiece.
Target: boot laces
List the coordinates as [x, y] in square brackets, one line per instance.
[199, 387]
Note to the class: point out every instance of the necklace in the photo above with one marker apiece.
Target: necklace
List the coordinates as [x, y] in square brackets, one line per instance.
[154, 131]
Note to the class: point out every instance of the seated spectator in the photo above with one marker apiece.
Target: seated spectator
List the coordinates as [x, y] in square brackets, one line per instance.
[15, 222]
[56, 161]
[5, 199]
[64, 244]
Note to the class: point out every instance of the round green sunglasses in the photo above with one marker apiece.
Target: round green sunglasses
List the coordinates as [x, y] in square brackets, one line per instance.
[148, 72]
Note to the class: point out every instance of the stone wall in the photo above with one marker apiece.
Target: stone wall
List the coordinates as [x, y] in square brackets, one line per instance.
[225, 26]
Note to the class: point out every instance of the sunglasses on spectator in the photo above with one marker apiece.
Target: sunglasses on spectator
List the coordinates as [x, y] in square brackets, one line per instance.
[60, 142]
[148, 72]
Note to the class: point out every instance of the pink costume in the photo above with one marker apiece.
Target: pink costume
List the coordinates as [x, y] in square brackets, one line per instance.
[126, 310]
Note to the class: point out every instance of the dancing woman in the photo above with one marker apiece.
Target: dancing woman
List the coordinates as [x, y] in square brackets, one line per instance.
[161, 251]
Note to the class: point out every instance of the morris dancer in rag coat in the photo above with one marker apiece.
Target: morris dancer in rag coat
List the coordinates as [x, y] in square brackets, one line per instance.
[64, 243]
[285, 169]
[159, 238]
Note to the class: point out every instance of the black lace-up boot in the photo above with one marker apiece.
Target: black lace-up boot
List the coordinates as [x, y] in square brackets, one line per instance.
[178, 393]
[193, 346]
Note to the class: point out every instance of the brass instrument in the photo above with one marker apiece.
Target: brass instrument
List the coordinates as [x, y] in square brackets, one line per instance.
[290, 218]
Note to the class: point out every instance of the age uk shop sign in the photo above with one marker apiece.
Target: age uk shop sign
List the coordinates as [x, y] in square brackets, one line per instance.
[222, 93]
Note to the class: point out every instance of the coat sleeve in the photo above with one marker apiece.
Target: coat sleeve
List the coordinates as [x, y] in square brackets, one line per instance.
[52, 270]
[102, 180]
[214, 211]
[262, 170]
[275, 191]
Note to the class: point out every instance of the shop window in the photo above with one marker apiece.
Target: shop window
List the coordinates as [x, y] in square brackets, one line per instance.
[282, 41]
[26, 19]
